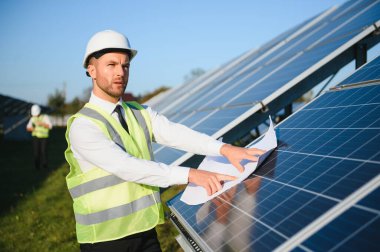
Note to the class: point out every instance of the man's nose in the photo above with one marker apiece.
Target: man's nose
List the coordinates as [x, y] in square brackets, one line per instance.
[120, 70]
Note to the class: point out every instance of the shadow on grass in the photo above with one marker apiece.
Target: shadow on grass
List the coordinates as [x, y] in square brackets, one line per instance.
[18, 177]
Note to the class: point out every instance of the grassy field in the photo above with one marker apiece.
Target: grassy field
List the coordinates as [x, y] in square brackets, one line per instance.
[35, 208]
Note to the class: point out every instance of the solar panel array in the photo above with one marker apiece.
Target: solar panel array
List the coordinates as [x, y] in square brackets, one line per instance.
[14, 114]
[11, 106]
[318, 191]
[221, 101]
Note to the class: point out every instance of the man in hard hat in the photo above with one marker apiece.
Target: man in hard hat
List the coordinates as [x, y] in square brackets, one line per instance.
[113, 179]
[39, 125]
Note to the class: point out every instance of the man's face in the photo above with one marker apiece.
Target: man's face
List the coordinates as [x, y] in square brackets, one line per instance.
[110, 75]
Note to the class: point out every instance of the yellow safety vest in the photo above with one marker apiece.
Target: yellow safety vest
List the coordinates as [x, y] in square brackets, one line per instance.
[39, 131]
[105, 206]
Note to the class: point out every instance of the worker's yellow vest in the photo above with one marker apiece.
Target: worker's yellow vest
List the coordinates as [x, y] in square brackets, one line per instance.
[105, 206]
[39, 131]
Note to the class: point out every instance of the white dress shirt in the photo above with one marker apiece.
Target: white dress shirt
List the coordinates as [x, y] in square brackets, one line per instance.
[92, 148]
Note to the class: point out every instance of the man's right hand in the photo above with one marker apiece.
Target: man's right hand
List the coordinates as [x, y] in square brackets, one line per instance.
[211, 181]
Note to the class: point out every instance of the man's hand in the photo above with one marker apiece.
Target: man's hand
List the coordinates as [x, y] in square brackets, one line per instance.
[209, 180]
[45, 125]
[236, 154]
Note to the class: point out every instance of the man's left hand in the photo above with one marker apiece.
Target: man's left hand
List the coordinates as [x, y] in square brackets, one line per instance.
[237, 154]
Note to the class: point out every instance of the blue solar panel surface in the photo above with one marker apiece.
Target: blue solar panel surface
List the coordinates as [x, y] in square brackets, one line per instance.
[358, 227]
[327, 151]
[209, 80]
[369, 72]
[239, 89]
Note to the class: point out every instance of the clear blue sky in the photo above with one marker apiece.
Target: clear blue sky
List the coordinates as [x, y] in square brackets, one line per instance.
[43, 41]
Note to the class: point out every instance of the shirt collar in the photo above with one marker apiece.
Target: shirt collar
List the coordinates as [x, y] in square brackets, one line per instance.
[109, 107]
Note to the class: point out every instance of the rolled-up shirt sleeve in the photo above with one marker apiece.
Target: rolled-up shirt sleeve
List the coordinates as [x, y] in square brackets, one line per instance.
[181, 137]
[92, 148]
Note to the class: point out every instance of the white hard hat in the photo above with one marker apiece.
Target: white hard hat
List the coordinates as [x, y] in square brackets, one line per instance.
[36, 110]
[107, 40]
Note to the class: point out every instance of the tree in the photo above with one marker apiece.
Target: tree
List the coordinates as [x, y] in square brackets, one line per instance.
[194, 73]
[56, 101]
[74, 106]
[149, 95]
[86, 93]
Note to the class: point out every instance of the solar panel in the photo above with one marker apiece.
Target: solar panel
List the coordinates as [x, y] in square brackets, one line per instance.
[169, 103]
[273, 77]
[368, 72]
[357, 227]
[318, 191]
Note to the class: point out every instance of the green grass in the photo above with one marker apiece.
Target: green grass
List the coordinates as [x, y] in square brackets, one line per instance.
[36, 209]
[42, 221]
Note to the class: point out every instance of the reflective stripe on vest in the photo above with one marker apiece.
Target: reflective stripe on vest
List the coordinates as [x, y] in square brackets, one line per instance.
[114, 135]
[119, 211]
[94, 185]
[94, 114]
[138, 115]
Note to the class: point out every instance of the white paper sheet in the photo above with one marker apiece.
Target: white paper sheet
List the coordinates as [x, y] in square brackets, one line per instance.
[194, 195]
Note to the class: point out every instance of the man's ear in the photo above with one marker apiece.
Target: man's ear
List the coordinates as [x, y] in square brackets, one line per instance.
[91, 70]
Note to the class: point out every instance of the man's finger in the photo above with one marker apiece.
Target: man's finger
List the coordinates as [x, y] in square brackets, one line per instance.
[224, 177]
[252, 158]
[217, 184]
[238, 166]
[208, 190]
[255, 151]
[213, 185]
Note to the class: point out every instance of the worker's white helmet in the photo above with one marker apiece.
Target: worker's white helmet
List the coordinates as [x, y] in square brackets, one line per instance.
[36, 110]
[107, 41]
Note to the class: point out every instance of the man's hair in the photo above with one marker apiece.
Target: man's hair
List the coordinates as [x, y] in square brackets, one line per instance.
[100, 53]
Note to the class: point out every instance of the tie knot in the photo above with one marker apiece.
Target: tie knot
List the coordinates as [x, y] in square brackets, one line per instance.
[118, 109]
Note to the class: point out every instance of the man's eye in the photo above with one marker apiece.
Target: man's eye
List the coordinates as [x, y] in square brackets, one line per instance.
[126, 66]
[111, 64]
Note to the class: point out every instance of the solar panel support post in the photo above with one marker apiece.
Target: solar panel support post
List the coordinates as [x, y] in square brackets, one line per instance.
[247, 125]
[288, 110]
[360, 54]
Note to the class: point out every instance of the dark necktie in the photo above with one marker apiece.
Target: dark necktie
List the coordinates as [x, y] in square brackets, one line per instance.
[119, 110]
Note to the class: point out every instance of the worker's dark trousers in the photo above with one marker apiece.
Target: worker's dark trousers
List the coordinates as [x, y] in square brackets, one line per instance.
[141, 242]
[40, 153]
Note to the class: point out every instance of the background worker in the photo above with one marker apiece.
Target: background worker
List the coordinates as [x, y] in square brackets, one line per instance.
[113, 179]
[39, 125]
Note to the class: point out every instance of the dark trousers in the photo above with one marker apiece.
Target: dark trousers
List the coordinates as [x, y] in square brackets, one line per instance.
[141, 242]
[40, 153]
